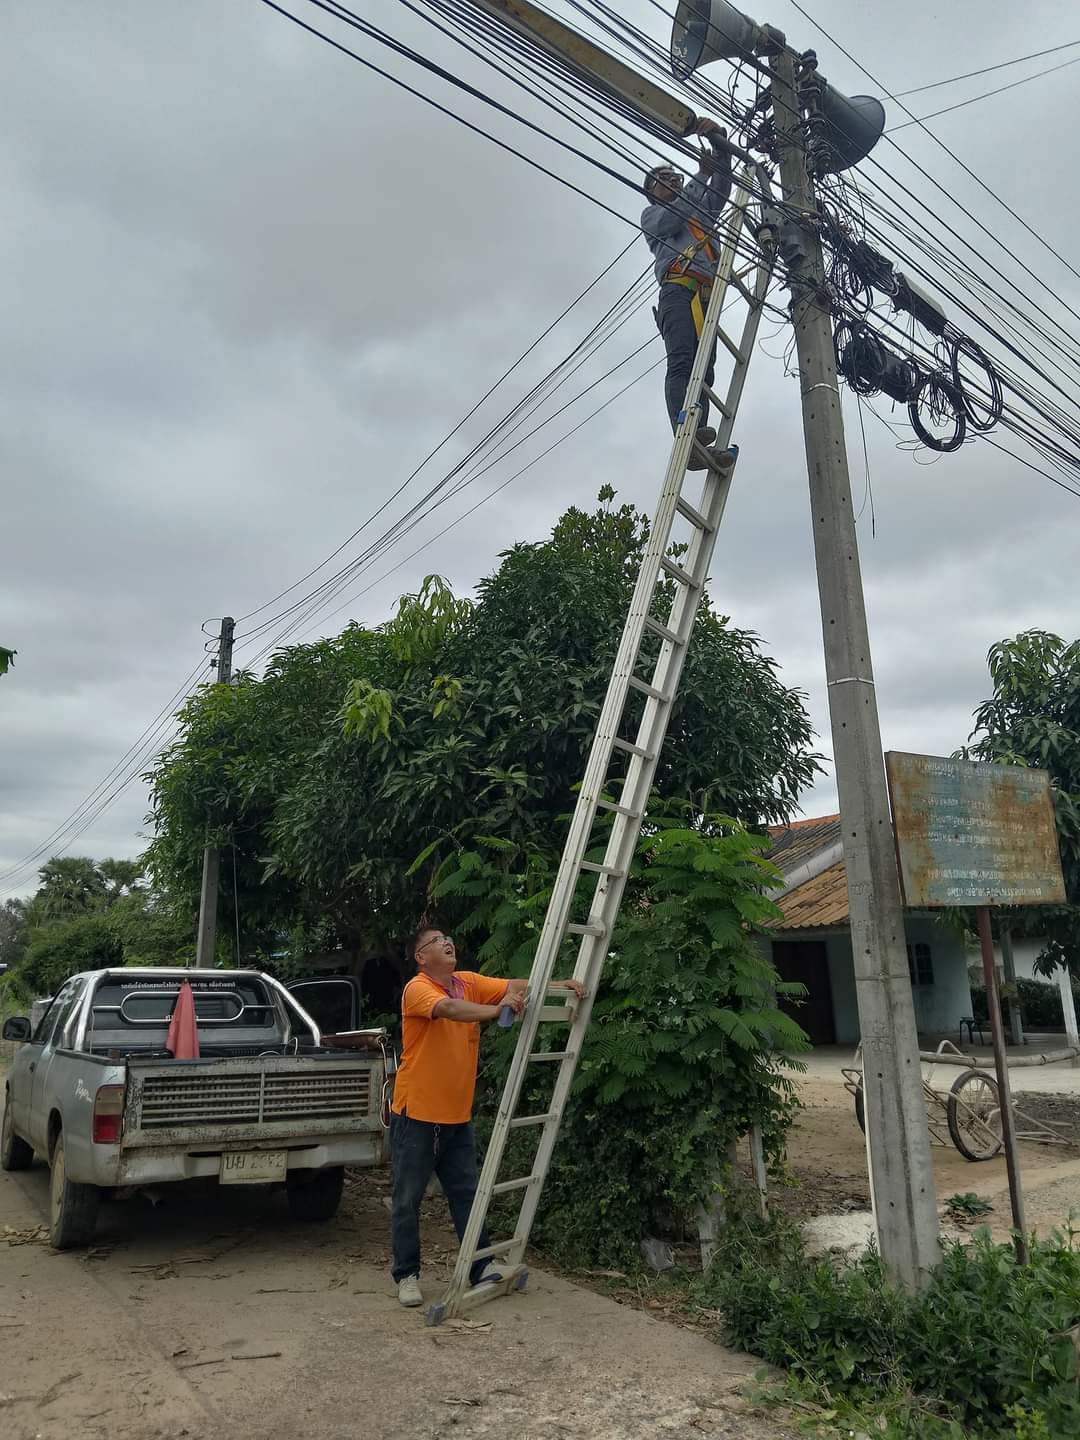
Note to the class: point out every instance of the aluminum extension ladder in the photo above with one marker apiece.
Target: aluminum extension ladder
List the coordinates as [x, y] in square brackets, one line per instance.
[689, 575]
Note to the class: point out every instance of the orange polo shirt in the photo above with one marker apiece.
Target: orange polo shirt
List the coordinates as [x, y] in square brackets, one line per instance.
[437, 1075]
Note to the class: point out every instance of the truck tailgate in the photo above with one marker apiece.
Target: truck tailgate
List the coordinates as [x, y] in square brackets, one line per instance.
[267, 1098]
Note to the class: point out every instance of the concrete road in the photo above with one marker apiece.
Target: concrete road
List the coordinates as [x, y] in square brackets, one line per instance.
[213, 1316]
[1062, 1077]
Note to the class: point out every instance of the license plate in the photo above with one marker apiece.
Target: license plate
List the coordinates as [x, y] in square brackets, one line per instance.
[253, 1167]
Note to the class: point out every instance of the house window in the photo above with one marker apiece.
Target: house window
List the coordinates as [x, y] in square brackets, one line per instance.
[920, 964]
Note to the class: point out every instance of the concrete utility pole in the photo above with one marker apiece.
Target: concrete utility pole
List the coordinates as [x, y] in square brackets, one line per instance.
[898, 1142]
[207, 932]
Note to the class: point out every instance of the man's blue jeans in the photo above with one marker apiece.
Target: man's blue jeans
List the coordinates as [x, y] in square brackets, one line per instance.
[419, 1149]
[675, 322]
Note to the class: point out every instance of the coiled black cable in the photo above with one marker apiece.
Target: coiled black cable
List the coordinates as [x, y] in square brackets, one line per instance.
[944, 403]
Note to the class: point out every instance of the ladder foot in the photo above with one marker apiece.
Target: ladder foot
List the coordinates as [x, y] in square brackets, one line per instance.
[435, 1314]
[521, 1280]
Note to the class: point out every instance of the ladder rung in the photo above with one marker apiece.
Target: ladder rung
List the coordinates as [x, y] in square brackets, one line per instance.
[557, 1012]
[721, 405]
[504, 1186]
[499, 1248]
[617, 809]
[601, 869]
[523, 1120]
[664, 631]
[632, 749]
[592, 928]
[678, 573]
[550, 1055]
[646, 688]
[695, 517]
[735, 349]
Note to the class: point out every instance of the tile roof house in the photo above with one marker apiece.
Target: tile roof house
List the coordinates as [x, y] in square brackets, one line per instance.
[812, 943]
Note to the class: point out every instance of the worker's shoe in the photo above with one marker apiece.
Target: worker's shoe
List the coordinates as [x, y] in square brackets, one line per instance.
[721, 460]
[408, 1291]
[705, 437]
[488, 1273]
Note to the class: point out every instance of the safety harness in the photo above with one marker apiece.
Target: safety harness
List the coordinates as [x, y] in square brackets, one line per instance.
[682, 273]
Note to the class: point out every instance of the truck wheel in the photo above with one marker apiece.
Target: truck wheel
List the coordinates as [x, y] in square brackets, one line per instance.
[73, 1208]
[15, 1153]
[315, 1195]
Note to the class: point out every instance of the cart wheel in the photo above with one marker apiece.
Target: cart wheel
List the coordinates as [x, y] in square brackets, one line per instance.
[973, 1111]
[860, 1107]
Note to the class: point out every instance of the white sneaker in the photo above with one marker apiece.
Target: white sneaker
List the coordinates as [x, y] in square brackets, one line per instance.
[488, 1273]
[408, 1291]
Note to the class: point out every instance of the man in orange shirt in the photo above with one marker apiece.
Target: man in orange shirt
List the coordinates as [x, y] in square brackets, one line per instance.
[431, 1130]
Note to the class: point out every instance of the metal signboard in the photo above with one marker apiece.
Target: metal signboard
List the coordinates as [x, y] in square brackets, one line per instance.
[969, 834]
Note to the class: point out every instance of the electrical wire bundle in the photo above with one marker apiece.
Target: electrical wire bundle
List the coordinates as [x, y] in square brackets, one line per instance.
[943, 398]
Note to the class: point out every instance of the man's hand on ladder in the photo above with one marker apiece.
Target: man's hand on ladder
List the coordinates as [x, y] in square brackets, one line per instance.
[575, 985]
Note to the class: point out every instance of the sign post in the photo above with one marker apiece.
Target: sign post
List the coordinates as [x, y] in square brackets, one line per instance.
[1001, 1068]
[971, 835]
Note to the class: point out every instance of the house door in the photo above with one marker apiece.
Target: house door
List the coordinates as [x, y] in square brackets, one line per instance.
[807, 962]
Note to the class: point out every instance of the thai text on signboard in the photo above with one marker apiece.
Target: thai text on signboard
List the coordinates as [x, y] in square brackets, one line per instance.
[971, 834]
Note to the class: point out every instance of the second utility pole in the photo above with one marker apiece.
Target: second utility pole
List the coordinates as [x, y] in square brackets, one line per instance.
[898, 1142]
[207, 933]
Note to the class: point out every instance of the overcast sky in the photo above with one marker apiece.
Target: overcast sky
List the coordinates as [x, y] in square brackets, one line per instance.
[248, 285]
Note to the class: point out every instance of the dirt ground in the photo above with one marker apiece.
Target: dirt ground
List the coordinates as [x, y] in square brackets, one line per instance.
[213, 1315]
[827, 1160]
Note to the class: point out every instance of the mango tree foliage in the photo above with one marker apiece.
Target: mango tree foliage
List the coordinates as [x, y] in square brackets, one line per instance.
[1033, 718]
[352, 755]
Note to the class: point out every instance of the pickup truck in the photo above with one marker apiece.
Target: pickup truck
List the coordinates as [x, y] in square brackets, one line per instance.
[269, 1101]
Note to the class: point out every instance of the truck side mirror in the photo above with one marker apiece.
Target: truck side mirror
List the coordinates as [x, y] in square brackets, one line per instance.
[17, 1028]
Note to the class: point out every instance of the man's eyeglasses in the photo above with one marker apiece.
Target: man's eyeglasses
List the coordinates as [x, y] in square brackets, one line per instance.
[435, 940]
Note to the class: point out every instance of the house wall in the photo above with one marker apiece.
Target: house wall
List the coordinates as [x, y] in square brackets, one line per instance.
[938, 1007]
[1025, 953]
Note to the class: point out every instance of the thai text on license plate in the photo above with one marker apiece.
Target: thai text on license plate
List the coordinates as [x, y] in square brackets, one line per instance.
[253, 1167]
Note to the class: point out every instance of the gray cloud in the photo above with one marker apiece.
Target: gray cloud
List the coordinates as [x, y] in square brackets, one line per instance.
[250, 285]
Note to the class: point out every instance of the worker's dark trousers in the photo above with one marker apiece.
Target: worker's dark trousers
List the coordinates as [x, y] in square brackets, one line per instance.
[680, 341]
[419, 1149]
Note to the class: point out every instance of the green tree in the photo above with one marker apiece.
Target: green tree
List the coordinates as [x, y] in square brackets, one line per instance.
[12, 931]
[685, 1048]
[87, 914]
[1033, 718]
[7, 659]
[64, 947]
[455, 719]
[70, 885]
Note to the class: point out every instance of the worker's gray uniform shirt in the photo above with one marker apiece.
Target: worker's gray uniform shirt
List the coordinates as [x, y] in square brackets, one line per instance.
[665, 226]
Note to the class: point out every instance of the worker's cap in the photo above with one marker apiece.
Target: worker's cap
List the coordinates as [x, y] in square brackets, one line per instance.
[664, 174]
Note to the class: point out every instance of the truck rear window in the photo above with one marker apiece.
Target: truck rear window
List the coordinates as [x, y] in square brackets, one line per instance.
[137, 1012]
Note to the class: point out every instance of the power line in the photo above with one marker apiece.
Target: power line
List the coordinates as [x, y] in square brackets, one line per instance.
[94, 804]
[449, 435]
[987, 69]
[698, 86]
[906, 125]
[498, 489]
[537, 395]
[966, 168]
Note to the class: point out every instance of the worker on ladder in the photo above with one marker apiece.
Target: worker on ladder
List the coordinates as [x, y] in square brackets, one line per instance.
[678, 225]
